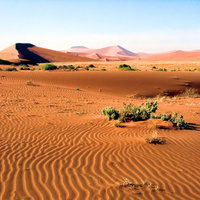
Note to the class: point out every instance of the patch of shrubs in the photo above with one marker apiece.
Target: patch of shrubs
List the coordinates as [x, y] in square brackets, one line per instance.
[24, 67]
[161, 69]
[143, 112]
[131, 112]
[126, 67]
[11, 69]
[48, 66]
[88, 67]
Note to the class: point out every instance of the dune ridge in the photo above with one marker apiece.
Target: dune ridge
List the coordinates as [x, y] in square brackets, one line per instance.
[55, 144]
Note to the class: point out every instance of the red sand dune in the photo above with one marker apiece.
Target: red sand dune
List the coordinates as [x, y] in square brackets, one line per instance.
[28, 52]
[117, 53]
[174, 56]
[113, 53]
[55, 144]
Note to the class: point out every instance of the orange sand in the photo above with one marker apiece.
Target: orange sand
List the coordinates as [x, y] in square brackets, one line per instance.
[55, 144]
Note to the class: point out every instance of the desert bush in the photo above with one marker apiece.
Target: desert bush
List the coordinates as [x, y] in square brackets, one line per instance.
[11, 69]
[197, 69]
[70, 67]
[24, 67]
[103, 69]
[87, 68]
[110, 112]
[4, 62]
[178, 122]
[1, 69]
[126, 67]
[48, 66]
[136, 113]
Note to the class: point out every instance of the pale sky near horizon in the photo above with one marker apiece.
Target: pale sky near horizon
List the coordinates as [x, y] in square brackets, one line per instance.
[140, 26]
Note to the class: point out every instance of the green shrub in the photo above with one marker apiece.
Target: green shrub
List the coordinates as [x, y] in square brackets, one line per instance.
[110, 112]
[178, 122]
[1, 69]
[11, 69]
[47, 67]
[126, 67]
[103, 69]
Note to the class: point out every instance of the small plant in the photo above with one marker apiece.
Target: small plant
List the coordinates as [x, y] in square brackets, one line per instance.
[154, 139]
[197, 69]
[127, 182]
[87, 68]
[110, 112]
[103, 69]
[30, 83]
[77, 88]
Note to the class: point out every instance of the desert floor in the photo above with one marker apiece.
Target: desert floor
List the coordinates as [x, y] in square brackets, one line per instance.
[55, 144]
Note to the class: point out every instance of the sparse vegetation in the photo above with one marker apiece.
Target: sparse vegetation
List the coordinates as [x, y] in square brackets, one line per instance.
[11, 69]
[77, 88]
[103, 69]
[24, 67]
[48, 66]
[197, 69]
[190, 93]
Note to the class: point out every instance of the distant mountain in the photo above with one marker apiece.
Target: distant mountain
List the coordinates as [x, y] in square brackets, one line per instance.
[26, 52]
[78, 49]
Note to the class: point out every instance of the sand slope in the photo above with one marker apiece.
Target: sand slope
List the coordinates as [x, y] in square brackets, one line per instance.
[28, 52]
[56, 145]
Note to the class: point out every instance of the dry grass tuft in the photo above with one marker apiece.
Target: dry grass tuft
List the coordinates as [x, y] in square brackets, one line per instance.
[154, 139]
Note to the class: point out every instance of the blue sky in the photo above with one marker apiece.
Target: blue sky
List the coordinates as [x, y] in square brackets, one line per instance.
[139, 26]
